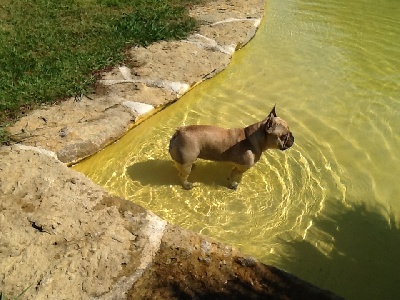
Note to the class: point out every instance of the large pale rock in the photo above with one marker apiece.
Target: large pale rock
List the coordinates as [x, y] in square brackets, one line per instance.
[61, 234]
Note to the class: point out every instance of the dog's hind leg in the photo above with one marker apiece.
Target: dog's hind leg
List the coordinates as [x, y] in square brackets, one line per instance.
[236, 176]
[184, 171]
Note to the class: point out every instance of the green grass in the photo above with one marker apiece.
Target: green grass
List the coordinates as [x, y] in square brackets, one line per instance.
[51, 49]
[3, 296]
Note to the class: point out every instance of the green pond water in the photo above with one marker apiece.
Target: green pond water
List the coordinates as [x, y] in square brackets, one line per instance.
[326, 210]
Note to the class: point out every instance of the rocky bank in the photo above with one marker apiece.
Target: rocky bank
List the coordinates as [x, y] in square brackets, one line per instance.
[66, 238]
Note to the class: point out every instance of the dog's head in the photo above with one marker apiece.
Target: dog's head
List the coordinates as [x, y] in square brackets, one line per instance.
[278, 134]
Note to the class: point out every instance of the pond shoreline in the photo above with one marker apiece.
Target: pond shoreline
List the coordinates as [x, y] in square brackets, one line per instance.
[151, 78]
[65, 237]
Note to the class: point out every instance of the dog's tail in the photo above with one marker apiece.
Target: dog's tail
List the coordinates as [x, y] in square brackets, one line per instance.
[174, 150]
[171, 141]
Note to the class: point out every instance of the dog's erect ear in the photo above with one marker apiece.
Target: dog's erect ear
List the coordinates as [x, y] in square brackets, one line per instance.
[270, 119]
[273, 112]
[268, 122]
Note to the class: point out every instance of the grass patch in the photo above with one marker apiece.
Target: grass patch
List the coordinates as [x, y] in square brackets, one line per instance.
[50, 49]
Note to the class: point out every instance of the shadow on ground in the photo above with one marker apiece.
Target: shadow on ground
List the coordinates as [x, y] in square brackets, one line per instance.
[364, 261]
[163, 172]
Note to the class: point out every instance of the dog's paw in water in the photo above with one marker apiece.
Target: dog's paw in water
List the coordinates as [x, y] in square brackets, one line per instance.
[187, 185]
[233, 185]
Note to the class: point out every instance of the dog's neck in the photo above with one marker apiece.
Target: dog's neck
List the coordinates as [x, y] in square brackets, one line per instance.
[251, 129]
[251, 132]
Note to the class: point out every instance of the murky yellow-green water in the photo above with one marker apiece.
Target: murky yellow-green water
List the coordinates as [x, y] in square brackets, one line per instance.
[328, 209]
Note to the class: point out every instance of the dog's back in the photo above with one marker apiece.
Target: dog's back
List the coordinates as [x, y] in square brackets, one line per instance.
[205, 142]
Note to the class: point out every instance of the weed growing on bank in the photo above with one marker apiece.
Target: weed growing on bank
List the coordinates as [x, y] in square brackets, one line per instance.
[51, 49]
[4, 297]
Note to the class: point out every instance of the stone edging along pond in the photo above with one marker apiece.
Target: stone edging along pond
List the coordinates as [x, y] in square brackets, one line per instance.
[63, 237]
[152, 78]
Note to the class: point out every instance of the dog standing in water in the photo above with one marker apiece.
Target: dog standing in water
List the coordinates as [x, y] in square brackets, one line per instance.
[240, 146]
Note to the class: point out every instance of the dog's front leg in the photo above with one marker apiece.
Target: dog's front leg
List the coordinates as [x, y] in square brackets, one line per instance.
[184, 172]
[236, 176]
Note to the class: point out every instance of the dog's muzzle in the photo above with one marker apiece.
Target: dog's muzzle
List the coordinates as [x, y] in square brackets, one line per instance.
[288, 141]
